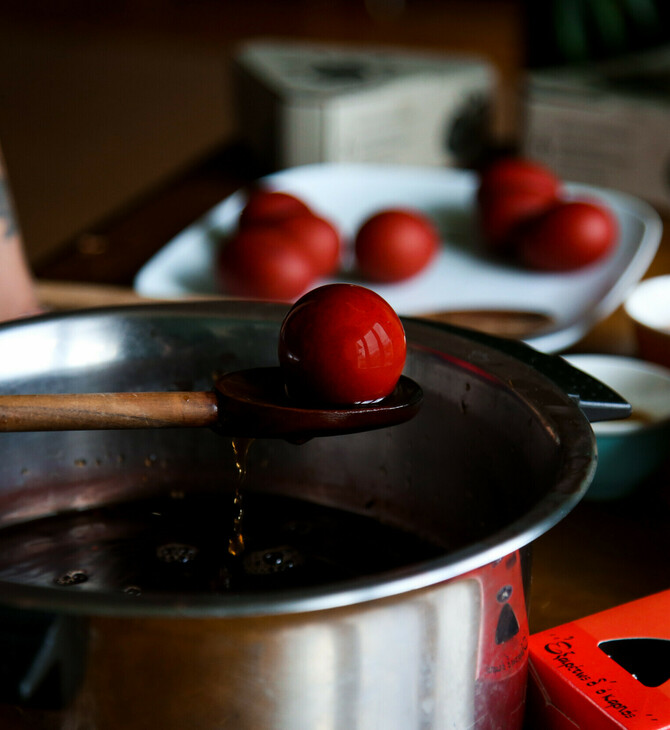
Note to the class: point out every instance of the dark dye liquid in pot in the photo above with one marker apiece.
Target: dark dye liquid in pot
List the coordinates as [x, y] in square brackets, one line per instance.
[182, 545]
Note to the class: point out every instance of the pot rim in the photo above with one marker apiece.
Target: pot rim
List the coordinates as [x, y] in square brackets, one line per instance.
[574, 475]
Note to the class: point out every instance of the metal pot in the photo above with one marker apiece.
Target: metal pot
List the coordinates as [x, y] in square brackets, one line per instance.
[498, 454]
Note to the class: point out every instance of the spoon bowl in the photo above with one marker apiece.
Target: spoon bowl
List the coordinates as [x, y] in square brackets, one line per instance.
[255, 403]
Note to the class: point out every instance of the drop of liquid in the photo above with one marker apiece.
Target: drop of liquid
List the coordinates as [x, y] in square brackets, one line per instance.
[176, 552]
[273, 560]
[71, 578]
[236, 540]
[240, 451]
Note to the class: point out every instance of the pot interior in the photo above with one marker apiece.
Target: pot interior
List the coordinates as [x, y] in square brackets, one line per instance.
[495, 457]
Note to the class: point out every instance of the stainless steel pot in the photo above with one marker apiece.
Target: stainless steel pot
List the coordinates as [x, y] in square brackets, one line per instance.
[498, 454]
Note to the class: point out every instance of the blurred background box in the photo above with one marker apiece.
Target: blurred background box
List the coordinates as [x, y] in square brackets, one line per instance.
[301, 103]
[605, 124]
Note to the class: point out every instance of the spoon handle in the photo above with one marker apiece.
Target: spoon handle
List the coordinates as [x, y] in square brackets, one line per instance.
[91, 411]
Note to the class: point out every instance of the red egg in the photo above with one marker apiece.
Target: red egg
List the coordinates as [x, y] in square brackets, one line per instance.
[395, 244]
[568, 236]
[270, 206]
[264, 263]
[517, 173]
[501, 214]
[318, 237]
[342, 344]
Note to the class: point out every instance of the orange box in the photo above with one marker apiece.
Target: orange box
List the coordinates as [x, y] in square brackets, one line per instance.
[609, 670]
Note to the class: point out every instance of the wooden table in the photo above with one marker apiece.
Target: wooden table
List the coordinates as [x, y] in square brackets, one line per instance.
[600, 555]
[606, 553]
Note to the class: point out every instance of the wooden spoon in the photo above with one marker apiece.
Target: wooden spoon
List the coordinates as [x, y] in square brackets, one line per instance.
[250, 403]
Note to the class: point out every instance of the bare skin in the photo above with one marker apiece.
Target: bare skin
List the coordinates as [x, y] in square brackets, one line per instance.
[18, 297]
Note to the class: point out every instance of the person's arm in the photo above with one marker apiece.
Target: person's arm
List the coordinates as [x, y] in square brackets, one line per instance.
[18, 297]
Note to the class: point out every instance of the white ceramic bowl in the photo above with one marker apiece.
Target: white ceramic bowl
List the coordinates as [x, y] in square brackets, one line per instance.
[648, 306]
[630, 450]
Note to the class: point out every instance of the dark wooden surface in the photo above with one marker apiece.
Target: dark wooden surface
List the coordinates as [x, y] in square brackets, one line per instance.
[600, 555]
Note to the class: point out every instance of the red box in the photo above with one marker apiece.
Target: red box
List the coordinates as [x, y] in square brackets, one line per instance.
[609, 670]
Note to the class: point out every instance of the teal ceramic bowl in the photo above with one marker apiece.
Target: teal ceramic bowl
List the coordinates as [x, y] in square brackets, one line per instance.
[632, 450]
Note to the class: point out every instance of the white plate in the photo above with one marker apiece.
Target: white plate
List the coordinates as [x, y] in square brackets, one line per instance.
[461, 277]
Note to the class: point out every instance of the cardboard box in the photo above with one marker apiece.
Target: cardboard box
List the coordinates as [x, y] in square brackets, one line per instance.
[604, 125]
[609, 670]
[302, 103]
